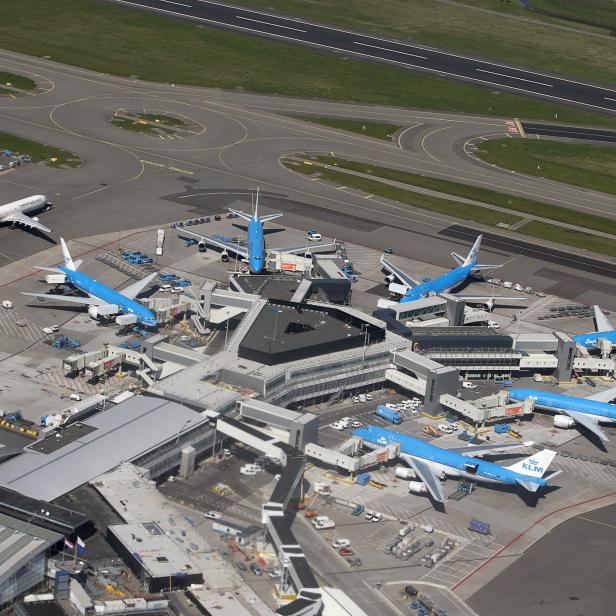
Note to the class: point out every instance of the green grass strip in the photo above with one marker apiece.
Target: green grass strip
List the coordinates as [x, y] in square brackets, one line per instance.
[465, 211]
[52, 157]
[120, 40]
[570, 237]
[378, 130]
[588, 166]
[17, 81]
[485, 195]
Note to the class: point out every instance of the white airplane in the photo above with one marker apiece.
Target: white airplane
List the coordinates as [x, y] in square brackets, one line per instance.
[15, 212]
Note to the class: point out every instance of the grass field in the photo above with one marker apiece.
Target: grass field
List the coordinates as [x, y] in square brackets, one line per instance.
[487, 28]
[17, 81]
[600, 13]
[485, 195]
[145, 128]
[588, 166]
[162, 119]
[447, 207]
[52, 157]
[377, 130]
[123, 41]
[462, 210]
[569, 237]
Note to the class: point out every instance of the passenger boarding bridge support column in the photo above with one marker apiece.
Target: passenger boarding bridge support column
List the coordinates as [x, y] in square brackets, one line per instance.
[439, 381]
[455, 310]
[565, 353]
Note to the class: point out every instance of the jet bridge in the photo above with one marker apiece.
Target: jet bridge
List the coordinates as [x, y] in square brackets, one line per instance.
[296, 571]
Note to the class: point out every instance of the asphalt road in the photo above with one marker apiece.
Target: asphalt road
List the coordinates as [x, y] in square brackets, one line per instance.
[447, 64]
[569, 132]
[570, 572]
[129, 180]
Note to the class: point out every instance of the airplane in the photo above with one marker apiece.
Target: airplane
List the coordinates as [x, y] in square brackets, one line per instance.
[588, 412]
[430, 463]
[15, 212]
[411, 289]
[102, 300]
[254, 252]
[604, 329]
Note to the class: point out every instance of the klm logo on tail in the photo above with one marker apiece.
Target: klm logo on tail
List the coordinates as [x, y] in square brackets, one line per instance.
[533, 466]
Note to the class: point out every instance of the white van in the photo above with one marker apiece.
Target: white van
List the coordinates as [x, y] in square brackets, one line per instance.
[468, 385]
[362, 398]
[314, 237]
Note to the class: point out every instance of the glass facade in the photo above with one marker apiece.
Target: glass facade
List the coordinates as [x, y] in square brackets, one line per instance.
[23, 580]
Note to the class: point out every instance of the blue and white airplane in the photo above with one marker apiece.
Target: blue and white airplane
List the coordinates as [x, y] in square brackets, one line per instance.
[603, 329]
[588, 412]
[411, 289]
[430, 463]
[102, 300]
[254, 252]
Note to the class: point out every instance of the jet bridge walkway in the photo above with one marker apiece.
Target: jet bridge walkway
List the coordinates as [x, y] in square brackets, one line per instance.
[296, 571]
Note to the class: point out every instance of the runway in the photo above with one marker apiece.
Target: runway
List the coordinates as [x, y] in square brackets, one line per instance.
[405, 55]
[129, 180]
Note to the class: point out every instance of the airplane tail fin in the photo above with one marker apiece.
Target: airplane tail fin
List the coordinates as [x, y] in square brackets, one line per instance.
[535, 465]
[601, 321]
[472, 255]
[68, 261]
[267, 217]
[459, 259]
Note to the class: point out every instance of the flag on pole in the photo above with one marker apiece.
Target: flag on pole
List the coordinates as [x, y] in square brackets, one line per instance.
[81, 545]
[68, 544]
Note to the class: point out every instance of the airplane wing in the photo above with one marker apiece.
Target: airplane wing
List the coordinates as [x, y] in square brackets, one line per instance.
[602, 322]
[304, 248]
[134, 289]
[485, 298]
[399, 274]
[22, 219]
[482, 449]
[90, 301]
[604, 396]
[587, 421]
[229, 246]
[424, 472]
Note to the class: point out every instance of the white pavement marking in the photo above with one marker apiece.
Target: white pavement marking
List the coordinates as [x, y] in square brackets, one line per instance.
[267, 23]
[404, 53]
[540, 83]
[177, 3]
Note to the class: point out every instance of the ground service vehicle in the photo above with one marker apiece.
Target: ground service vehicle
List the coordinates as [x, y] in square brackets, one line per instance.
[388, 414]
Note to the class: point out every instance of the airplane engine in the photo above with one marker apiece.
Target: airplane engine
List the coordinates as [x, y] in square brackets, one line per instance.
[201, 246]
[390, 278]
[417, 487]
[224, 256]
[562, 421]
[405, 473]
[36, 218]
[489, 304]
[93, 312]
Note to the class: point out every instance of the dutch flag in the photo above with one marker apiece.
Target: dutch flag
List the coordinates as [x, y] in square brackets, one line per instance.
[81, 545]
[68, 544]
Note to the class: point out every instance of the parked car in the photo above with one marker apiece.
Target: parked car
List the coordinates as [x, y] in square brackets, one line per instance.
[377, 517]
[346, 552]
[341, 543]
[212, 515]
[241, 566]
[468, 385]
[254, 567]
[369, 514]
[356, 424]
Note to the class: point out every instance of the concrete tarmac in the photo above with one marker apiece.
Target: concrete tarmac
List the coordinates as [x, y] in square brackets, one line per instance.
[235, 143]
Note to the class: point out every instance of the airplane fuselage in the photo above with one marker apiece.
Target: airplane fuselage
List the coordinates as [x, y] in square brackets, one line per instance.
[444, 462]
[591, 339]
[96, 289]
[441, 284]
[602, 412]
[256, 246]
[25, 206]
